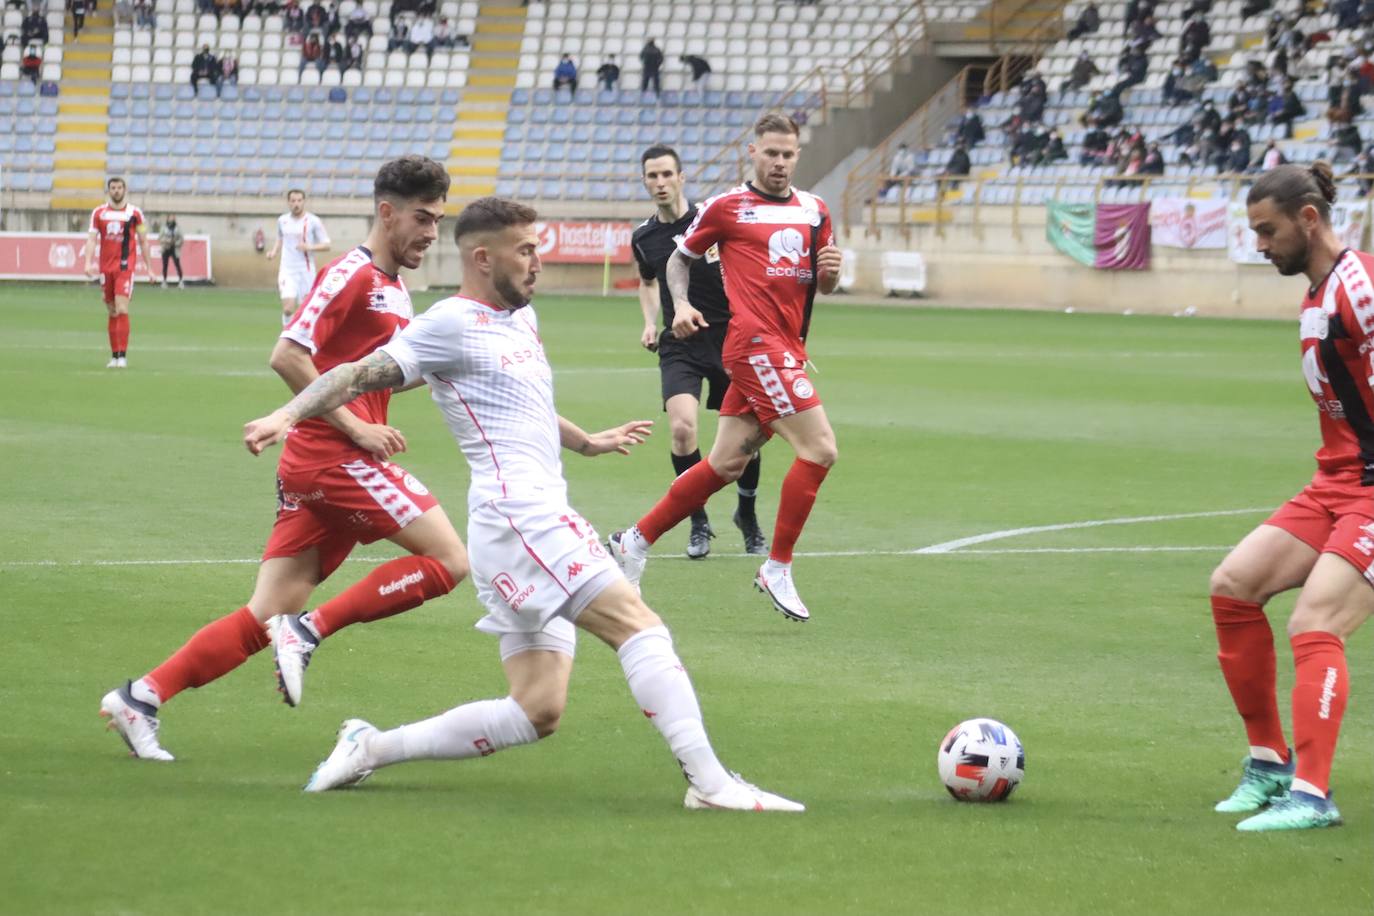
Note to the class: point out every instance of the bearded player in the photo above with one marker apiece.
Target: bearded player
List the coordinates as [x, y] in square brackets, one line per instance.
[119, 234]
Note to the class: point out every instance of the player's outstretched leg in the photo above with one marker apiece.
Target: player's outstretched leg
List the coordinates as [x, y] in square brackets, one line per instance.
[439, 562]
[660, 684]
[135, 721]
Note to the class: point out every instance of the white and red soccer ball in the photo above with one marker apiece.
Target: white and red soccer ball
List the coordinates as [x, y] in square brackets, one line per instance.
[981, 760]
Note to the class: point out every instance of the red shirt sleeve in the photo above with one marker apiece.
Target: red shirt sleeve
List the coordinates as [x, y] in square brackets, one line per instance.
[708, 228]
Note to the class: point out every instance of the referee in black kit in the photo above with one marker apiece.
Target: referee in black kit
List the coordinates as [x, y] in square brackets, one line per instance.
[684, 364]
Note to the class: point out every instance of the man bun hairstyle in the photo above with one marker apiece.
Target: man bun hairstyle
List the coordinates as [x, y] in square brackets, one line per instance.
[411, 178]
[775, 122]
[1292, 187]
[491, 214]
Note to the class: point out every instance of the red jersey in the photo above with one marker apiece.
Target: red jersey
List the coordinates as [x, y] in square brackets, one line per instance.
[1337, 331]
[116, 230]
[352, 310]
[768, 251]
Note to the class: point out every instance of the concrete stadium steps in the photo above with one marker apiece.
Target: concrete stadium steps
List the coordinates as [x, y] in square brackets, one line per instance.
[478, 129]
[83, 118]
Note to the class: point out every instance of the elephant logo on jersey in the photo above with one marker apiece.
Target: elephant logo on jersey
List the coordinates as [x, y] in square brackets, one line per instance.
[787, 244]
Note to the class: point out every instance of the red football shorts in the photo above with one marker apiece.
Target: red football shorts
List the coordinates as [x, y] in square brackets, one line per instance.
[1332, 515]
[767, 387]
[118, 283]
[335, 508]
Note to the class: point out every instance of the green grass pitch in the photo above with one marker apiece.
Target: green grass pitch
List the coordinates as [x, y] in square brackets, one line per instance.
[133, 515]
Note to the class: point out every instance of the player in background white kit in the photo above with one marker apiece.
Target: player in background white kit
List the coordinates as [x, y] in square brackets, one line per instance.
[299, 236]
[539, 567]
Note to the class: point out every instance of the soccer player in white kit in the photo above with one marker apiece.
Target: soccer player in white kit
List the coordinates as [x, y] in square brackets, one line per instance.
[299, 235]
[539, 567]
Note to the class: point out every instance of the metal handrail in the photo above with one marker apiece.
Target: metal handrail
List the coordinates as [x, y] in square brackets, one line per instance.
[824, 86]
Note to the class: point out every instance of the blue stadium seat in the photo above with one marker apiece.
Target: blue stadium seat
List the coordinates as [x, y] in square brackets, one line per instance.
[114, 146]
[551, 189]
[581, 133]
[583, 115]
[335, 133]
[272, 149]
[139, 145]
[379, 131]
[362, 187]
[229, 92]
[671, 98]
[407, 96]
[7, 88]
[441, 130]
[119, 127]
[646, 135]
[357, 131]
[206, 93]
[206, 149]
[227, 129]
[26, 107]
[712, 98]
[160, 129]
[556, 152]
[395, 148]
[691, 117]
[427, 97]
[603, 135]
[317, 95]
[505, 187]
[559, 133]
[295, 96]
[584, 97]
[626, 117]
[671, 117]
[362, 95]
[561, 115]
[439, 150]
[605, 116]
[736, 119]
[119, 91]
[542, 98]
[713, 117]
[515, 116]
[450, 97]
[246, 148]
[534, 152]
[599, 190]
[691, 99]
[206, 129]
[628, 97]
[27, 89]
[383, 97]
[271, 129]
[20, 181]
[47, 107]
[606, 97]
[539, 116]
[403, 114]
[251, 94]
[519, 97]
[574, 189]
[293, 130]
[626, 191]
[251, 129]
[528, 189]
[355, 149]
[359, 113]
[753, 101]
[537, 133]
[648, 116]
[601, 151]
[739, 100]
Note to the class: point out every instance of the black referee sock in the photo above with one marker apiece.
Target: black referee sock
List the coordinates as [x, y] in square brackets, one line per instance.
[748, 486]
[681, 465]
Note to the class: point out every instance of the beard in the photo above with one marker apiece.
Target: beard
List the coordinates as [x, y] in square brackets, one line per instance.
[512, 296]
[1294, 263]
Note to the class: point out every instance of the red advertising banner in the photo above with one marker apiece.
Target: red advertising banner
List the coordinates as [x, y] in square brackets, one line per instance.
[584, 243]
[58, 256]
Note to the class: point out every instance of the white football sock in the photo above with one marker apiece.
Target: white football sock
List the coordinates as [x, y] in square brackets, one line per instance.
[141, 691]
[471, 730]
[636, 542]
[1267, 754]
[1302, 785]
[663, 690]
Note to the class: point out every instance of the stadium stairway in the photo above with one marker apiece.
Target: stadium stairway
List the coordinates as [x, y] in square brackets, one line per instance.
[478, 131]
[83, 116]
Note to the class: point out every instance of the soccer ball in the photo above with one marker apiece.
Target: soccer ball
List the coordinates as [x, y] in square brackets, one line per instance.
[981, 760]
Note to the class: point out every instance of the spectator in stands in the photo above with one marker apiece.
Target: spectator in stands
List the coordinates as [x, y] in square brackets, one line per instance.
[33, 29]
[1088, 21]
[1201, 70]
[970, 128]
[1094, 146]
[359, 23]
[145, 14]
[1254, 8]
[608, 74]
[443, 33]
[78, 8]
[205, 6]
[170, 240]
[1288, 107]
[1196, 36]
[229, 69]
[1031, 104]
[1154, 161]
[1272, 156]
[337, 54]
[565, 74]
[1232, 147]
[1209, 117]
[1345, 100]
[1346, 142]
[1347, 13]
[204, 66]
[1143, 33]
[398, 36]
[1364, 165]
[1133, 68]
[312, 52]
[354, 60]
[1175, 83]
[958, 166]
[651, 60]
[903, 165]
[316, 17]
[1104, 110]
[31, 63]
[334, 19]
[1033, 144]
[1082, 73]
[701, 70]
[422, 36]
[1237, 160]
[293, 17]
[1054, 150]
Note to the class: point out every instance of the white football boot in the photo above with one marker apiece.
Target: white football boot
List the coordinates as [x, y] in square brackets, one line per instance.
[346, 765]
[739, 795]
[135, 722]
[122, 362]
[113, 363]
[292, 646]
[627, 557]
[776, 583]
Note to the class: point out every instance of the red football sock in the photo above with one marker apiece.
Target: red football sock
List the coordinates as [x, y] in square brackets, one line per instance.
[687, 494]
[1246, 653]
[799, 489]
[217, 648]
[122, 332]
[395, 586]
[112, 329]
[1320, 690]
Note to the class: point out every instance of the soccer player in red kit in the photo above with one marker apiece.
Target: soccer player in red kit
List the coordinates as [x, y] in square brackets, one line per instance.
[335, 488]
[777, 248]
[1321, 540]
[119, 234]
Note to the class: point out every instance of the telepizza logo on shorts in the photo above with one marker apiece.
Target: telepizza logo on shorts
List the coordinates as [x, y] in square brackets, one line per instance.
[511, 593]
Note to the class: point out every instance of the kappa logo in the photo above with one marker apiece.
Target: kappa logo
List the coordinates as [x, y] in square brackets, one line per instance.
[787, 244]
[575, 570]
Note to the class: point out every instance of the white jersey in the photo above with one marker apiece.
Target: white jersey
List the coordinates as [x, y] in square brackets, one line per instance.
[292, 232]
[487, 371]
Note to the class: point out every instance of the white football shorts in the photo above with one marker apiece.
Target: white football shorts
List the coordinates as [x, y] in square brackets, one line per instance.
[295, 284]
[536, 565]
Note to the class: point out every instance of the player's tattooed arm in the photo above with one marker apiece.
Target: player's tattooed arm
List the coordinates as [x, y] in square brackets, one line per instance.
[687, 320]
[332, 390]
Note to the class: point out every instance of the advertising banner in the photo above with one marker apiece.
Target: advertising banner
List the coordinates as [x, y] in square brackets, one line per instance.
[58, 256]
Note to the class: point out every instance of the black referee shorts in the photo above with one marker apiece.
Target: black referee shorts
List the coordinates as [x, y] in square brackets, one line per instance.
[682, 367]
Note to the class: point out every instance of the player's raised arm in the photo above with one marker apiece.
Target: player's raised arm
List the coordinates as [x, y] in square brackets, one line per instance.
[330, 391]
[617, 439]
[687, 320]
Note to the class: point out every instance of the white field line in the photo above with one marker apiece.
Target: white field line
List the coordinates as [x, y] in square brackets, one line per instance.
[942, 549]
